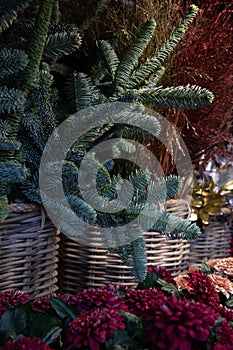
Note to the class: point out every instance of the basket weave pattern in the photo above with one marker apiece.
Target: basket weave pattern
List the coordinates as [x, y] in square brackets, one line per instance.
[28, 251]
[214, 243]
[83, 266]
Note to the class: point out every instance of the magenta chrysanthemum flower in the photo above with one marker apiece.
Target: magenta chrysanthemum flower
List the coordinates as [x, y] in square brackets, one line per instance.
[13, 297]
[162, 273]
[26, 344]
[178, 324]
[221, 347]
[202, 289]
[225, 333]
[42, 303]
[139, 301]
[88, 299]
[115, 288]
[226, 313]
[93, 328]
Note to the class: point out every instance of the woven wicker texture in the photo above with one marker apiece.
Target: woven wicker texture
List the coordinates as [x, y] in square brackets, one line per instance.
[171, 254]
[212, 244]
[92, 266]
[28, 251]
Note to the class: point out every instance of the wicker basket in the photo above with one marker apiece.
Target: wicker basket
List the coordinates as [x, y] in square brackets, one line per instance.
[87, 266]
[212, 244]
[28, 251]
[81, 266]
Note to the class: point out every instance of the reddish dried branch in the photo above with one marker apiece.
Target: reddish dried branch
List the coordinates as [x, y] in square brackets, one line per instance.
[206, 59]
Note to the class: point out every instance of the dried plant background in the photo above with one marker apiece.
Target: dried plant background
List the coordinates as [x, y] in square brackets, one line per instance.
[203, 58]
[117, 21]
[206, 59]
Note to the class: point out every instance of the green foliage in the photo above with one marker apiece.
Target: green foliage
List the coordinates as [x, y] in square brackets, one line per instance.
[35, 47]
[101, 6]
[181, 97]
[82, 209]
[155, 78]
[38, 120]
[66, 312]
[135, 81]
[32, 106]
[131, 338]
[145, 210]
[12, 61]
[131, 57]
[229, 303]
[29, 102]
[168, 287]
[5, 128]
[153, 280]
[7, 143]
[162, 189]
[173, 185]
[81, 91]
[129, 80]
[30, 187]
[155, 61]
[62, 40]
[9, 11]
[134, 255]
[24, 321]
[3, 207]
[150, 281]
[11, 172]
[110, 56]
[11, 99]
[205, 268]
[176, 227]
